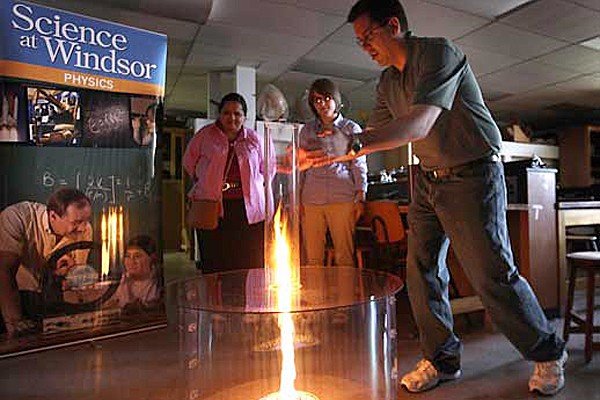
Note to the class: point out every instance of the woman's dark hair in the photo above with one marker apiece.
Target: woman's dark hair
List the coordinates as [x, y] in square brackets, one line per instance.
[379, 11]
[64, 197]
[324, 87]
[145, 243]
[236, 97]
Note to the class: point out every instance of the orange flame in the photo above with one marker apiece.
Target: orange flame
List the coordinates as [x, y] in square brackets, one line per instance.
[111, 227]
[284, 278]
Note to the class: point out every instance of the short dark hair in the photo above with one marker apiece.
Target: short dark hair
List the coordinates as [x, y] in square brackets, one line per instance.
[144, 243]
[64, 197]
[235, 97]
[379, 11]
[325, 87]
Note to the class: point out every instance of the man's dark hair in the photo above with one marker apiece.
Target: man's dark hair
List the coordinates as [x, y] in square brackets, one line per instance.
[64, 197]
[379, 11]
[324, 87]
[236, 97]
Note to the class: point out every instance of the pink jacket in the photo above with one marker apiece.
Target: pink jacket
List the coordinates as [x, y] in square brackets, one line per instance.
[204, 160]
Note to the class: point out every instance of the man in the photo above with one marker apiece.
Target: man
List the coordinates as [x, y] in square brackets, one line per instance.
[428, 95]
[29, 233]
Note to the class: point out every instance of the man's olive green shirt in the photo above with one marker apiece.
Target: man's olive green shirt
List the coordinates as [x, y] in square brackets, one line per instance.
[437, 73]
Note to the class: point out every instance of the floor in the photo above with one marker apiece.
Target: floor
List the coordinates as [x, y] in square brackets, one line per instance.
[145, 366]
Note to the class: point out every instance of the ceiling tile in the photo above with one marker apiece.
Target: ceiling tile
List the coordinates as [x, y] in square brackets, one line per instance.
[344, 35]
[488, 8]
[587, 83]
[249, 43]
[555, 104]
[335, 69]
[594, 4]
[332, 51]
[275, 18]
[334, 7]
[558, 19]
[210, 61]
[509, 41]
[574, 58]
[273, 67]
[524, 77]
[426, 19]
[186, 10]
[173, 28]
[483, 62]
[492, 95]
[542, 97]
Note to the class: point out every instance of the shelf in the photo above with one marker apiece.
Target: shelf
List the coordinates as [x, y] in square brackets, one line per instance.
[512, 150]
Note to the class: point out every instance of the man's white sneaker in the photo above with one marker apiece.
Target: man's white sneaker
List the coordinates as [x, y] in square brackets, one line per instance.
[548, 377]
[425, 376]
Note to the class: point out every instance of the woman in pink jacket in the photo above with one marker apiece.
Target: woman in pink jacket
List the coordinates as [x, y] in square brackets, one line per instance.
[225, 160]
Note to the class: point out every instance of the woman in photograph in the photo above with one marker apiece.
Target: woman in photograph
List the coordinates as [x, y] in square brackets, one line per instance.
[139, 289]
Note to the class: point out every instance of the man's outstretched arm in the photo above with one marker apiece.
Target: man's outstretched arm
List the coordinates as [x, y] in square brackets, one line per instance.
[411, 127]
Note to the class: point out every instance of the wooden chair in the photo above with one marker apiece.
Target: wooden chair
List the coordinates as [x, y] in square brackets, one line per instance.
[588, 261]
[362, 250]
[581, 238]
[380, 239]
[390, 239]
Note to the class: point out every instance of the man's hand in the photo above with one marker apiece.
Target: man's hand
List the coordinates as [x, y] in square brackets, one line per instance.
[19, 327]
[321, 160]
[304, 159]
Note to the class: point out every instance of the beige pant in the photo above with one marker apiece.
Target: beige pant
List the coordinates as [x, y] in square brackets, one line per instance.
[339, 218]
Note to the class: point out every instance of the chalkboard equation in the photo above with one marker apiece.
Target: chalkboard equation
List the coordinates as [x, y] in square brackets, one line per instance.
[104, 189]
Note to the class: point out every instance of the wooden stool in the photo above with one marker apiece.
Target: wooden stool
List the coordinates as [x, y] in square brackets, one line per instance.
[588, 261]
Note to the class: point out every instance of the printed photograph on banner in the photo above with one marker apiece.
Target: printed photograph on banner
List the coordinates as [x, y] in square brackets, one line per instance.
[143, 120]
[54, 116]
[100, 275]
[106, 120]
[13, 109]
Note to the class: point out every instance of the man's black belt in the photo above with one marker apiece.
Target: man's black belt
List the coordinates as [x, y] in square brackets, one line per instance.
[440, 173]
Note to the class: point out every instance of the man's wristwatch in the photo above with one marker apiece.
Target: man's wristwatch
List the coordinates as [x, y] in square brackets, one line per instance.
[356, 145]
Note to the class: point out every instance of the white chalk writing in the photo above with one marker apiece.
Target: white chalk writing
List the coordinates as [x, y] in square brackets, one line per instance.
[104, 189]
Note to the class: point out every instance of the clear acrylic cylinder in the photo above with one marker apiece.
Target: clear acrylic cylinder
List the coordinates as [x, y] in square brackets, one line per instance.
[282, 200]
[343, 344]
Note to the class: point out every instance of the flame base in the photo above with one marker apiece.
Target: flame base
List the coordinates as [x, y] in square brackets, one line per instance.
[299, 396]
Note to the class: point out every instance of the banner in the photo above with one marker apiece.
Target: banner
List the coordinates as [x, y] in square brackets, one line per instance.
[80, 205]
[49, 45]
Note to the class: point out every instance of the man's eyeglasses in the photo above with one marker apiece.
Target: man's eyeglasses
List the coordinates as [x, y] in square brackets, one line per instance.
[368, 35]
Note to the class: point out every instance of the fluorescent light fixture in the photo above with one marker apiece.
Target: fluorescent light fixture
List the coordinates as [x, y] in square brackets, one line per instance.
[593, 43]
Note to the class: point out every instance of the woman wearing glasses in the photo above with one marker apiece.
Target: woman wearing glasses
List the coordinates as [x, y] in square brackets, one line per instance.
[331, 195]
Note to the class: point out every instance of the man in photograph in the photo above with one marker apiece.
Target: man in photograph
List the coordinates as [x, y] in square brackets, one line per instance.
[30, 233]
